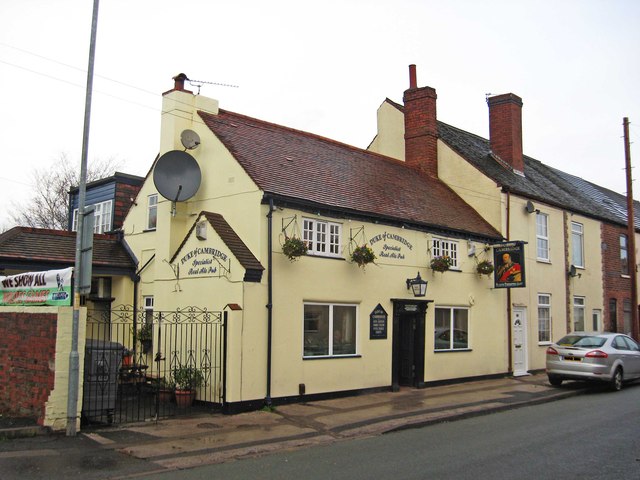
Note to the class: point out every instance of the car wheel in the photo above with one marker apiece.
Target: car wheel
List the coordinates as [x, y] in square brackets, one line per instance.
[616, 381]
[555, 381]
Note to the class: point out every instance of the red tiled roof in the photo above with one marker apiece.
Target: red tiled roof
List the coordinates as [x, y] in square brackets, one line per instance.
[309, 168]
[40, 246]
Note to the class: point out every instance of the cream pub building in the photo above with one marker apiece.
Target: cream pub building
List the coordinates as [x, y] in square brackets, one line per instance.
[318, 324]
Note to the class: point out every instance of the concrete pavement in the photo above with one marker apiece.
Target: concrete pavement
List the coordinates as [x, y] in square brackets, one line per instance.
[184, 442]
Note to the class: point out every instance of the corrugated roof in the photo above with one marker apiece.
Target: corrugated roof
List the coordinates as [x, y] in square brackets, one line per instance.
[312, 169]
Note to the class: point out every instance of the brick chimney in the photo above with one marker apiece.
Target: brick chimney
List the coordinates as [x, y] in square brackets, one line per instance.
[420, 127]
[505, 129]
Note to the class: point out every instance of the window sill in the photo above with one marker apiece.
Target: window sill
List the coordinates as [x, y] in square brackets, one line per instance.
[148, 230]
[324, 255]
[623, 275]
[454, 350]
[545, 344]
[332, 357]
[542, 260]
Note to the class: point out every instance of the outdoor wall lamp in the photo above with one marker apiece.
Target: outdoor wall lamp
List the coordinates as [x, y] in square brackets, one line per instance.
[417, 285]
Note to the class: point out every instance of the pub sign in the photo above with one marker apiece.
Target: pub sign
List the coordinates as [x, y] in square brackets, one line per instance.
[508, 259]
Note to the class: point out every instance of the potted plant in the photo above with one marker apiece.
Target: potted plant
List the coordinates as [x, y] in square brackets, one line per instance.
[441, 264]
[363, 255]
[485, 267]
[186, 380]
[294, 247]
[127, 358]
[164, 389]
[145, 337]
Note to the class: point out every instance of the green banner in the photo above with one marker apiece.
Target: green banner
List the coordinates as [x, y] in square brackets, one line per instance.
[52, 287]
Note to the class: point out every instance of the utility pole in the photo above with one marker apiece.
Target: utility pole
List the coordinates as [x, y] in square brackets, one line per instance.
[631, 233]
[74, 357]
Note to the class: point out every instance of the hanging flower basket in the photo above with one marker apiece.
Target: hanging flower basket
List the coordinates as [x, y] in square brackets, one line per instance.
[293, 247]
[485, 267]
[363, 255]
[441, 264]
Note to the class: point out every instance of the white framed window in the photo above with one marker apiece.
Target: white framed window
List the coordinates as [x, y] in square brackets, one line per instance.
[544, 317]
[445, 248]
[451, 328]
[577, 244]
[102, 214]
[578, 314]
[624, 256]
[322, 237]
[330, 329]
[152, 211]
[542, 236]
[147, 306]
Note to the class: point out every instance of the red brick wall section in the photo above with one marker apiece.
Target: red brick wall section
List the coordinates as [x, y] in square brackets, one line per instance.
[616, 285]
[421, 130]
[27, 352]
[505, 129]
[125, 195]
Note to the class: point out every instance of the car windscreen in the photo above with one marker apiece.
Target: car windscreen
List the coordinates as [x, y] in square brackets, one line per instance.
[581, 341]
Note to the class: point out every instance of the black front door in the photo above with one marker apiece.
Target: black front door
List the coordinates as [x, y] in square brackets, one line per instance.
[407, 333]
[408, 343]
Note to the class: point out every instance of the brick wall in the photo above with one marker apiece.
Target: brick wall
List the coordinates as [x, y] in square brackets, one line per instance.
[125, 194]
[27, 359]
[616, 285]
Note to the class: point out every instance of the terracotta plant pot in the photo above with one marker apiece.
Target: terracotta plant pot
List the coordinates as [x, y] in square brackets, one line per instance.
[184, 398]
[165, 395]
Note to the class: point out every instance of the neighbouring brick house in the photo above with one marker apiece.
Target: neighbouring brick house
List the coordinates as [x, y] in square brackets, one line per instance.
[616, 269]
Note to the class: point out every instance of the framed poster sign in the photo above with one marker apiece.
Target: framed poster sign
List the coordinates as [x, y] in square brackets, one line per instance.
[378, 323]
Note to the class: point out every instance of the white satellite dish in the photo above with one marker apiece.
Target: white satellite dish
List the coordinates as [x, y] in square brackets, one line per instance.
[190, 139]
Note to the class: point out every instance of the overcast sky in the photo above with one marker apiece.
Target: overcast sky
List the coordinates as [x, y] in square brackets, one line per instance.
[322, 67]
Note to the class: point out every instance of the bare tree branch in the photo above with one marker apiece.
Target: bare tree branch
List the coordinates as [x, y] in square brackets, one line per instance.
[48, 207]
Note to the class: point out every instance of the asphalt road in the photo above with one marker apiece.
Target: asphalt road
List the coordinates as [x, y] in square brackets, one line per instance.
[591, 436]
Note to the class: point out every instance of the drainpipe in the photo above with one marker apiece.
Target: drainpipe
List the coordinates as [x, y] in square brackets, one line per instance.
[267, 399]
[509, 334]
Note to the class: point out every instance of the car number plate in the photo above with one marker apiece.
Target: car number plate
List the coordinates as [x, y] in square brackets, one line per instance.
[571, 359]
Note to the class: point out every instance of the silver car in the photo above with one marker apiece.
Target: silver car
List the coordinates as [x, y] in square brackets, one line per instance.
[605, 357]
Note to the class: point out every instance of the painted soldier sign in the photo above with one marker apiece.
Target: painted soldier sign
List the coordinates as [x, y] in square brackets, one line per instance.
[509, 261]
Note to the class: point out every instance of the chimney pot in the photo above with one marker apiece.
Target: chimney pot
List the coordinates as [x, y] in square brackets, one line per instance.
[413, 80]
[420, 127]
[179, 81]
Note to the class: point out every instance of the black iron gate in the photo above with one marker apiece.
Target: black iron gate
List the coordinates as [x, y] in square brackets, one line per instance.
[143, 365]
